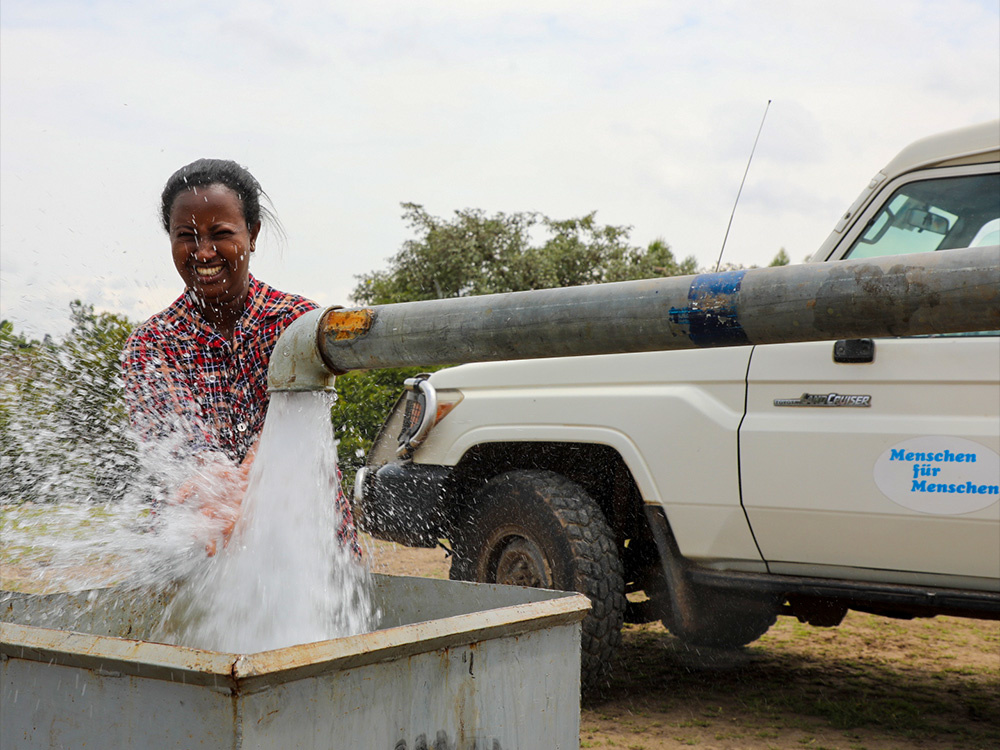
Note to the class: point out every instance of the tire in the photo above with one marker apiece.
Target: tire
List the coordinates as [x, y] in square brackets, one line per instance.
[539, 529]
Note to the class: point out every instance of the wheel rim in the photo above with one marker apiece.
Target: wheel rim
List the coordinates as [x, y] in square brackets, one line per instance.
[521, 562]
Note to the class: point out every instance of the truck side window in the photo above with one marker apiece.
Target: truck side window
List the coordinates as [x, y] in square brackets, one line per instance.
[941, 214]
[989, 234]
[928, 215]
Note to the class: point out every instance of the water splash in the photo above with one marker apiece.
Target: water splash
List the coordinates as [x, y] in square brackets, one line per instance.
[73, 543]
[283, 579]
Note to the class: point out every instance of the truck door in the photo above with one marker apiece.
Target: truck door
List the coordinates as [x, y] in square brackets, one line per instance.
[884, 454]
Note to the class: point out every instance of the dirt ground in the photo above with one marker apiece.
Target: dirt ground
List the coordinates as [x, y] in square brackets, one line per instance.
[870, 684]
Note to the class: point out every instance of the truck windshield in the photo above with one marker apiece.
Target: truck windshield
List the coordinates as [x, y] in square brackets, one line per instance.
[930, 215]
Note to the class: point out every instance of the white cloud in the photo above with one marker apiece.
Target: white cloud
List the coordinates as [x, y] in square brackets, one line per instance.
[643, 111]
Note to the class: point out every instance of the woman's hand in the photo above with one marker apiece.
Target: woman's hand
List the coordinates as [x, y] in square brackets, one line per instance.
[248, 459]
[218, 488]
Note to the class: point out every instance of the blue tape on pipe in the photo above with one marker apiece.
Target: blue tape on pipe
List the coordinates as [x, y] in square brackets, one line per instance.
[711, 317]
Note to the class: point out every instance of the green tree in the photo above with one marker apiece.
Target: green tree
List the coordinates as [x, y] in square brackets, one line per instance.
[26, 382]
[91, 408]
[476, 253]
[63, 426]
[10, 339]
[781, 259]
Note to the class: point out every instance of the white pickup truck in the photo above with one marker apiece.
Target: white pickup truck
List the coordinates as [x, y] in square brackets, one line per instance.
[731, 485]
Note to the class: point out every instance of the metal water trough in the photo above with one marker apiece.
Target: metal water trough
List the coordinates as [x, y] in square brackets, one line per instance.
[453, 666]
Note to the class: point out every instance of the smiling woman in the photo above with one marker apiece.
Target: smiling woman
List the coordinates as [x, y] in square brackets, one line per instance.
[196, 373]
[211, 243]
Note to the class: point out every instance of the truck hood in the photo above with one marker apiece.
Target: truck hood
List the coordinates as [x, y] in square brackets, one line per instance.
[704, 365]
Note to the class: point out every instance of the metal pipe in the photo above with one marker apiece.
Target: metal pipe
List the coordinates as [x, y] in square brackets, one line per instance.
[927, 293]
[297, 361]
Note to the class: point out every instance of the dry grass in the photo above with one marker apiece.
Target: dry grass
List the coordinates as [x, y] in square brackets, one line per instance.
[871, 683]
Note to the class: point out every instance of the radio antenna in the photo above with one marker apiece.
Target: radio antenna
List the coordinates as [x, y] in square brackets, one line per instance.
[718, 263]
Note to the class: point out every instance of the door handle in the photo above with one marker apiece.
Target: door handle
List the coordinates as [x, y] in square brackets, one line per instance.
[854, 351]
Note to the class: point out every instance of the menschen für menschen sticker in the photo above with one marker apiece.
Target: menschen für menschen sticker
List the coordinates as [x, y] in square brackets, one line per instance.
[940, 475]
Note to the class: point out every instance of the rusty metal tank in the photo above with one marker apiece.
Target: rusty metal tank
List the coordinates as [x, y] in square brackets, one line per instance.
[452, 665]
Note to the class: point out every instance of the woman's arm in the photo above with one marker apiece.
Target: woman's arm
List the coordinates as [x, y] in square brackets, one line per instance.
[162, 406]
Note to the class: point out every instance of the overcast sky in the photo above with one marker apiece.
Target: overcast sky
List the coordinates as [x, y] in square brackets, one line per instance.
[642, 111]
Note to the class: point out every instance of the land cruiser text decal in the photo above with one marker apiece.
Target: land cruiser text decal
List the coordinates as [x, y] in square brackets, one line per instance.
[825, 399]
[941, 475]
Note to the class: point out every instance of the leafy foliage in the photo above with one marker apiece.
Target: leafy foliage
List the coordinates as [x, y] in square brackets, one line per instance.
[63, 426]
[475, 253]
[781, 259]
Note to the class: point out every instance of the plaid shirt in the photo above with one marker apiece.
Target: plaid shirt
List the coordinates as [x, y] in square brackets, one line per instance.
[184, 380]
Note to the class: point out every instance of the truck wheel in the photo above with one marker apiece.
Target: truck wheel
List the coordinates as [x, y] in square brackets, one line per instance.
[539, 529]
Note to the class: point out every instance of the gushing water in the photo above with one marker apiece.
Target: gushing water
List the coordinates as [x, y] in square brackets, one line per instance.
[283, 578]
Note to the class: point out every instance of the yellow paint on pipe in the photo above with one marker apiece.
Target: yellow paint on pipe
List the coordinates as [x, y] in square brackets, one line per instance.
[345, 325]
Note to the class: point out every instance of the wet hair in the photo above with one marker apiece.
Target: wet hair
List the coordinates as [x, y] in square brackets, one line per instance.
[205, 172]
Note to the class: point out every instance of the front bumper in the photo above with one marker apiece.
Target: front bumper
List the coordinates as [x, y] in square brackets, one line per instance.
[402, 502]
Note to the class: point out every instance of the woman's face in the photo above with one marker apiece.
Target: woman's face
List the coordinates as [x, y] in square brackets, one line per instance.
[211, 244]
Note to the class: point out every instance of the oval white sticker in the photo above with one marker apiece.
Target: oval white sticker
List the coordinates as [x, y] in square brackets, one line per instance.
[940, 475]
